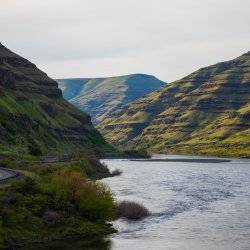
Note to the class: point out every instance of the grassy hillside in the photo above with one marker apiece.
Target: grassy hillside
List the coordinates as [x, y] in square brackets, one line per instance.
[100, 97]
[206, 112]
[34, 116]
[48, 202]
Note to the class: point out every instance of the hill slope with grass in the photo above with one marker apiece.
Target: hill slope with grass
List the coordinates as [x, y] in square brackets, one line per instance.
[34, 117]
[206, 112]
[100, 97]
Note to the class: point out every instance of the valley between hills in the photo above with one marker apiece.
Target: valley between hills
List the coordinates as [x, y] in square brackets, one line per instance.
[204, 113]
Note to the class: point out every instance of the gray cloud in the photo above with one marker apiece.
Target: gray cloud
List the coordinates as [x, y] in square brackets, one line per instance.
[113, 37]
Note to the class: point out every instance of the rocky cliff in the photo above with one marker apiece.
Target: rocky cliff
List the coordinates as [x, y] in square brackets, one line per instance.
[207, 112]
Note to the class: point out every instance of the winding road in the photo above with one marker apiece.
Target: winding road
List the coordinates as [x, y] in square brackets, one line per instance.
[6, 174]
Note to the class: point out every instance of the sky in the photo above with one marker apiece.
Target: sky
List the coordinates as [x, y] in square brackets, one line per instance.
[96, 38]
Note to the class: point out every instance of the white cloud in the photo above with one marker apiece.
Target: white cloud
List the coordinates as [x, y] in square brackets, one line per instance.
[114, 37]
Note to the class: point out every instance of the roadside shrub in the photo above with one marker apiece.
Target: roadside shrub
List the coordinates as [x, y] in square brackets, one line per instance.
[136, 153]
[93, 199]
[52, 217]
[132, 210]
[96, 202]
[25, 186]
[95, 169]
[6, 163]
[34, 149]
[54, 204]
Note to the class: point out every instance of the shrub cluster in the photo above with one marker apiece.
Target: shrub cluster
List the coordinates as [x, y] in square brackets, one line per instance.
[58, 204]
[132, 210]
[34, 149]
[136, 153]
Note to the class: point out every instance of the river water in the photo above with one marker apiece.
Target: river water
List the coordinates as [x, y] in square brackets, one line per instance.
[197, 203]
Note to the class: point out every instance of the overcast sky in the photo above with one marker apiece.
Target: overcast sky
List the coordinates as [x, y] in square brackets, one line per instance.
[91, 38]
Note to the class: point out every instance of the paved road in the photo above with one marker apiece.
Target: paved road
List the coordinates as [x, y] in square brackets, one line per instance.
[6, 174]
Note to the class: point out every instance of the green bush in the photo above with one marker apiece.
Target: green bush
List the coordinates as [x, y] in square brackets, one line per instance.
[6, 163]
[59, 204]
[25, 186]
[34, 149]
[136, 153]
[94, 200]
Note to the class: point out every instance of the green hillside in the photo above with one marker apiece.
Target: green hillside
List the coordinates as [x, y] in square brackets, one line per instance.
[34, 115]
[206, 112]
[101, 97]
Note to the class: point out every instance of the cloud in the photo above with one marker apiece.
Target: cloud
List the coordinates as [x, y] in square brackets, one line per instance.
[114, 37]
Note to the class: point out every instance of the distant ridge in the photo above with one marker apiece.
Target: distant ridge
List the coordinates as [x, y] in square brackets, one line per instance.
[100, 97]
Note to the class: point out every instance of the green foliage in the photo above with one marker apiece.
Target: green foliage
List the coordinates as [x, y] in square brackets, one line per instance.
[60, 203]
[6, 163]
[34, 149]
[88, 166]
[136, 153]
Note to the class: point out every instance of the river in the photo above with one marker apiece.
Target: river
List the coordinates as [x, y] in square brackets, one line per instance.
[197, 203]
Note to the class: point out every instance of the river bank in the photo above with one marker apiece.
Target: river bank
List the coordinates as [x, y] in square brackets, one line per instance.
[54, 202]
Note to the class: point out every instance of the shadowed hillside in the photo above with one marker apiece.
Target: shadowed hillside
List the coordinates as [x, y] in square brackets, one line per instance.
[34, 116]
